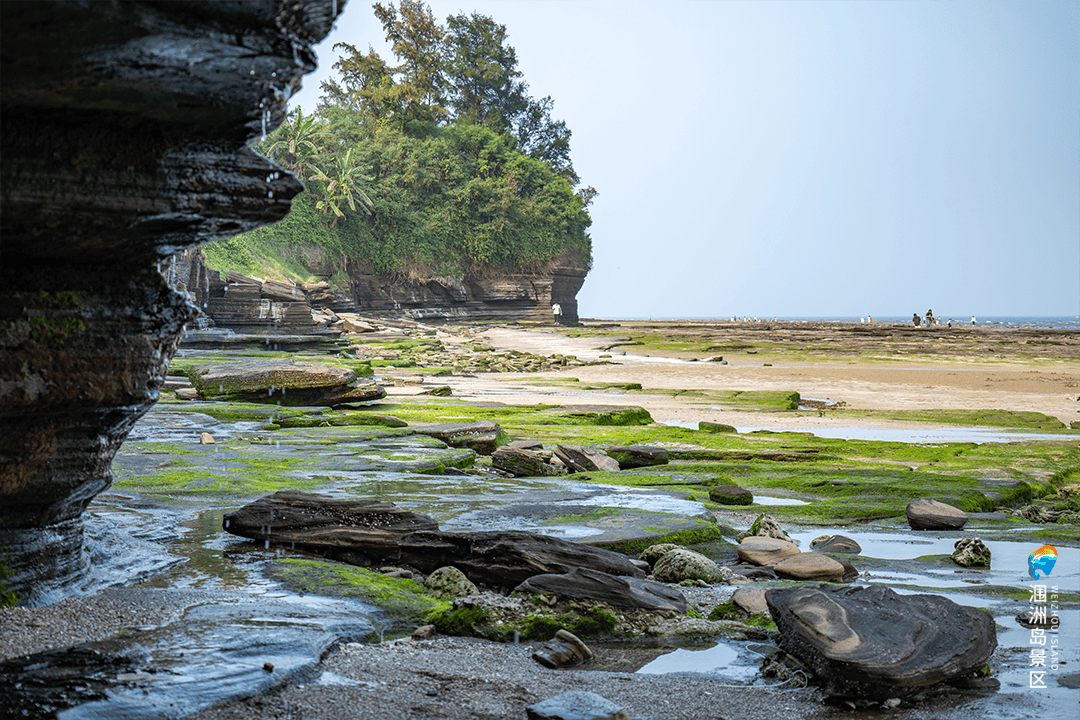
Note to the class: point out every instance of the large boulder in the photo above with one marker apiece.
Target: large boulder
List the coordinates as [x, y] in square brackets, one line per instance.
[927, 514]
[616, 590]
[870, 642]
[284, 382]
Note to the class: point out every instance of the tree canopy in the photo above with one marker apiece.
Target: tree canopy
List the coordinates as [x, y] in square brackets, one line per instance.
[436, 163]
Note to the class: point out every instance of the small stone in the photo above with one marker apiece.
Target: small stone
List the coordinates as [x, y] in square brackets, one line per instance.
[764, 525]
[268, 666]
[835, 544]
[206, 439]
[424, 632]
[891, 703]
[564, 651]
[971, 552]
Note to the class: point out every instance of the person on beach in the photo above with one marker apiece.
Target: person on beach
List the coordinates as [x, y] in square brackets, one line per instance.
[915, 319]
[557, 310]
[929, 318]
[972, 319]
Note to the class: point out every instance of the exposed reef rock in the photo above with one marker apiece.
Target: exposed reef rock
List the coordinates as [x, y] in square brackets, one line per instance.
[246, 304]
[124, 132]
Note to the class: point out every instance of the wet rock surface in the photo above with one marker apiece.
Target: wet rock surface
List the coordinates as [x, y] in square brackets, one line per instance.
[365, 532]
[872, 643]
[615, 590]
[927, 514]
[235, 646]
[283, 382]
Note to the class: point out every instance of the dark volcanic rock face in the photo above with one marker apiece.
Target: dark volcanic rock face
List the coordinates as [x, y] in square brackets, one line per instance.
[124, 131]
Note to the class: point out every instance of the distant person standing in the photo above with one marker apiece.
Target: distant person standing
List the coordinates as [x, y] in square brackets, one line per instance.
[950, 322]
[929, 318]
[915, 319]
[556, 309]
[972, 319]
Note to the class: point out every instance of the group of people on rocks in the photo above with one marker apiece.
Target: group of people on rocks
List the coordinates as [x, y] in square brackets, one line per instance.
[931, 320]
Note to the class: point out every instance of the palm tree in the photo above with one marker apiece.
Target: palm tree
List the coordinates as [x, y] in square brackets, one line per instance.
[296, 144]
[343, 179]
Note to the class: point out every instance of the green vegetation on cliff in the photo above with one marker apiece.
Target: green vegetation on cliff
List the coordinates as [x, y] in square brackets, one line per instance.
[439, 167]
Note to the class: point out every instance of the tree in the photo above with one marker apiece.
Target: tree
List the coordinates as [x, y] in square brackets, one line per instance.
[294, 144]
[485, 83]
[546, 140]
[343, 180]
[419, 41]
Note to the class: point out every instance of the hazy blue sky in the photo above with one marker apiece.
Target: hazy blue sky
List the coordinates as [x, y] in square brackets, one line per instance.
[808, 158]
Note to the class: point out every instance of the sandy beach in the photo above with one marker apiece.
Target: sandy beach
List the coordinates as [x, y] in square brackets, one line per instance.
[1004, 381]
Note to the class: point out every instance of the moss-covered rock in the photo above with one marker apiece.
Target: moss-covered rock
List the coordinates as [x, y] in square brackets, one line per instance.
[449, 583]
[654, 552]
[682, 564]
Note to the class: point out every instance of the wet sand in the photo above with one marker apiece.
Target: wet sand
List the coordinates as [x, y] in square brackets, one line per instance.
[964, 375]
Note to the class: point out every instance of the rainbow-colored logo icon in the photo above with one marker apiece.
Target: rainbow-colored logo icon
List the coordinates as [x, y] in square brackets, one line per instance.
[1043, 560]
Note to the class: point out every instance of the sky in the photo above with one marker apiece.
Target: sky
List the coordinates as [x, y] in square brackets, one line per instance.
[807, 158]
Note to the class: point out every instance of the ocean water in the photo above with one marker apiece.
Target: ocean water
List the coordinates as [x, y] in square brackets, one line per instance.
[1063, 323]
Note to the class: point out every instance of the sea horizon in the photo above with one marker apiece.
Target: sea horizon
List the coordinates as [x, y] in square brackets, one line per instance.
[1065, 322]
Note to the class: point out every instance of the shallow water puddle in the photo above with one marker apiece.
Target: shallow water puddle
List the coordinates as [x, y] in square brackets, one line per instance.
[1008, 559]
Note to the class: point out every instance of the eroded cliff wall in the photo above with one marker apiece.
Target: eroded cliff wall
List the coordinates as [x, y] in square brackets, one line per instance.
[124, 132]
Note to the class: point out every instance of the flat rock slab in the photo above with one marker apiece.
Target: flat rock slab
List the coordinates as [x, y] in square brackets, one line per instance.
[870, 642]
[760, 550]
[479, 435]
[927, 514]
[366, 532]
[283, 382]
[323, 523]
[507, 559]
[635, 456]
[620, 591]
[810, 566]
[576, 705]
[596, 525]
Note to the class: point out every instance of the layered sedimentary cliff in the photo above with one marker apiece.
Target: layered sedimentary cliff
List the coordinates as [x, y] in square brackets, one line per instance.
[249, 304]
[124, 132]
